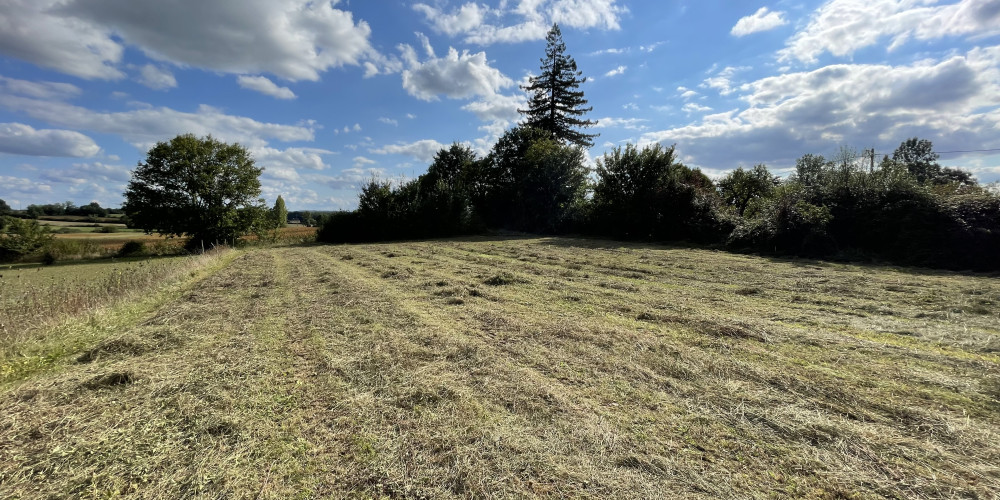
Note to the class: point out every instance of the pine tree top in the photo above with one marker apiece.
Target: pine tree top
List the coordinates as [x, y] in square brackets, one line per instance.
[554, 103]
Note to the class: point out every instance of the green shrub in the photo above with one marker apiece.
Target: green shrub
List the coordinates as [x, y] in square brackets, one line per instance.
[131, 248]
[22, 237]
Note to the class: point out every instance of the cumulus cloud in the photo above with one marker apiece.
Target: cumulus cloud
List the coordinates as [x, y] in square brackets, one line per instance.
[144, 127]
[389, 121]
[842, 27]
[462, 20]
[952, 102]
[294, 39]
[762, 20]
[265, 86]
[497, 108]
[722, 81]
[423, 150]
[457, 75]
[156, 78]
[20, 139]
[531, 19]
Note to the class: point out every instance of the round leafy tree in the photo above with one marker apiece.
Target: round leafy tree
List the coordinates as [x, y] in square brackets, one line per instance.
[197, 187]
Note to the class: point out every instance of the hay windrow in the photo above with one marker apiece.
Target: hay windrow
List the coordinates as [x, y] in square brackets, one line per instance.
[586, 369]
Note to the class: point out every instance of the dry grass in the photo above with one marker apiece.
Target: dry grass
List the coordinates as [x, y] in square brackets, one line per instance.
[521, 367]
[34, 298]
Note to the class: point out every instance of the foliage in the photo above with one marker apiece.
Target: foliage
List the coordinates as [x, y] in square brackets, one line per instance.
[553, 188]
[92, 209]
[4, 208]
[896, 211]
[438, 203]
[648, 194]
[197, 187]
[921, 161]
[279, 213]
[786, 223]
[500, 176]
[131, 248]
[740, 187]
[22, 237]
[554, 103]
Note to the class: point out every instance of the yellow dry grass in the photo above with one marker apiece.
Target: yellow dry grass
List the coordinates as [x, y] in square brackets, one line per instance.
[520, 367]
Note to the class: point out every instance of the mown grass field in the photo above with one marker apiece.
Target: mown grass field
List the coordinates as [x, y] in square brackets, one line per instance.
[517, 367]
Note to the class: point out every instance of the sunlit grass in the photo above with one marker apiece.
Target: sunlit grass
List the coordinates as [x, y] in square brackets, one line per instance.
[520, 367]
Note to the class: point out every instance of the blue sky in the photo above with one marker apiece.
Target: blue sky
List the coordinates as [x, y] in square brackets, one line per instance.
[327, 94]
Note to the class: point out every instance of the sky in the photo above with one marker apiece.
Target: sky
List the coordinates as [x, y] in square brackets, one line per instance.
[327, 94]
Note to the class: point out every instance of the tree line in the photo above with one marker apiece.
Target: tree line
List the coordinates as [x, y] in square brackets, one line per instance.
[907, 208]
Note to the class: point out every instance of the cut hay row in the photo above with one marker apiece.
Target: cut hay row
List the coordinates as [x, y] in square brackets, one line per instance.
[523, 367]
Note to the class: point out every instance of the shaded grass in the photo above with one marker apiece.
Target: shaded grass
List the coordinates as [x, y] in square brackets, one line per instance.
[595, 370]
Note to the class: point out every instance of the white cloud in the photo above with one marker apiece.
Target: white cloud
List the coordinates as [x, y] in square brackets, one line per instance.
[19, 186]
[722, 81]
[348, 129]
[615, 72]
[362, 162]
[534, 18]
[294, 39]
[20, 139]
[94, 174]
[609, 51]
[457, 76]
[691, 107]
[951, 102]
[842, 27]
[291, 158]
[156, 78]
[423, 150]
[497, 107]
[624, 123]
[265, 86]
[463, 20]
[38, 90]
[144, 127]
[651, 47]
[762, 20]
[389, 121]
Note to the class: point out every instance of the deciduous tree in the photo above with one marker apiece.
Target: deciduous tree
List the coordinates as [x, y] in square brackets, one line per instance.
[197, 187]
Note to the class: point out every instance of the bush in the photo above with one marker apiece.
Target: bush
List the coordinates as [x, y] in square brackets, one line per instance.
[131, 248]
[647, 194]
[22, 237]
[108, 229]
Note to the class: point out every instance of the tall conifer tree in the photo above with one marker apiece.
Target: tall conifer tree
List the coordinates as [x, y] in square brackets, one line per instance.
[554, 103]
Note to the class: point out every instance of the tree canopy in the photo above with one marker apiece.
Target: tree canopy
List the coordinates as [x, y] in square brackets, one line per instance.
[554, 103]
[197, 187]
[279, 212]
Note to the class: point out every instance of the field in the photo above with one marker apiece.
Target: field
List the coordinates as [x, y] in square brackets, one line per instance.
[514, 367]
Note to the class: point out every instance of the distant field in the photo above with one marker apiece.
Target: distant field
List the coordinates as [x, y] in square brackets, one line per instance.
[507, 368]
